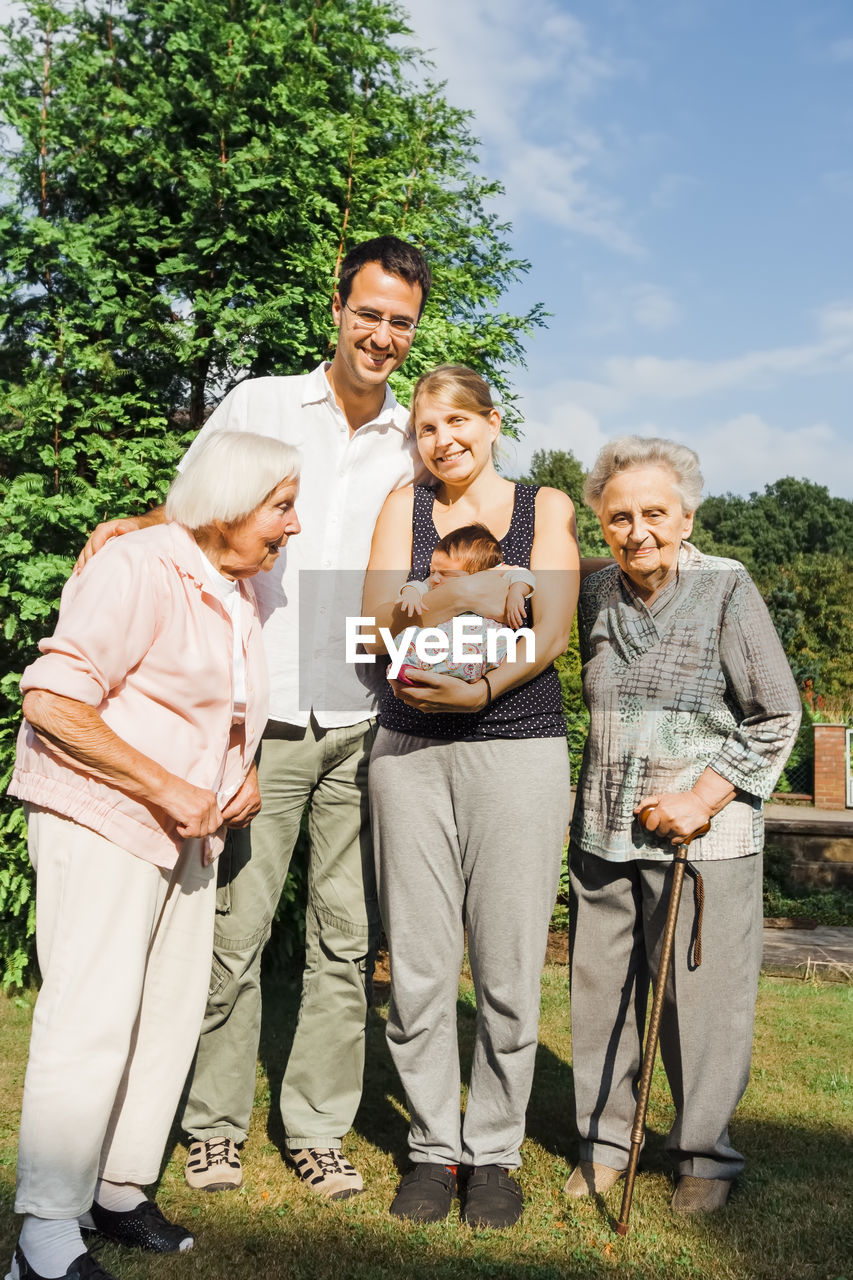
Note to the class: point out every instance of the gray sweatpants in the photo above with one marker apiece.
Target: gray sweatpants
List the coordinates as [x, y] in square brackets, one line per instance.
[467, 833]
[618, 911]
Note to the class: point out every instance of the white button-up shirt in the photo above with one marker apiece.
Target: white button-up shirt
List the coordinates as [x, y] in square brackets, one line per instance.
[318, 577]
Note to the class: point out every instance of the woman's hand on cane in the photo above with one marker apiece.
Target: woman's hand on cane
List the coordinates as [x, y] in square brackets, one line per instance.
[677, 815]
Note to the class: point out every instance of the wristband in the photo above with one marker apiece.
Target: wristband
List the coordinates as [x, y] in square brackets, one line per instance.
[489, 688]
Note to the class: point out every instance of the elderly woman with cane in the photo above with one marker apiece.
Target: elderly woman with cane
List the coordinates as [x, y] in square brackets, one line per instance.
[142, 717]
[693, 711]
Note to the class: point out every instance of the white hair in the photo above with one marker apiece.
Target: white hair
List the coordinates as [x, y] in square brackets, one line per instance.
[629, 452]
[227, 476]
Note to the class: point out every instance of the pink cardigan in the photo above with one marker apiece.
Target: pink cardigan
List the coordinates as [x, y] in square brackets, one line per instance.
[141, 639]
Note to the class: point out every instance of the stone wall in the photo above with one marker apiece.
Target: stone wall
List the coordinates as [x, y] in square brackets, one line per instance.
[819, 854]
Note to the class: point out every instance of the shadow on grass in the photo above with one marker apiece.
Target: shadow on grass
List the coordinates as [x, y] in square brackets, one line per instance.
[280, 991]
[380, 1119]
[787, 1220]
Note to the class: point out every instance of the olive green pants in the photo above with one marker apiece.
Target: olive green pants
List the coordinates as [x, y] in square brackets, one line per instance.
[327, 770]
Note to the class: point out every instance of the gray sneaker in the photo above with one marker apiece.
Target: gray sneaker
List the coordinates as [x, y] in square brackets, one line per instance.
[589, 1179]
[700, 1195]
[213, 1164]
[325, 1171]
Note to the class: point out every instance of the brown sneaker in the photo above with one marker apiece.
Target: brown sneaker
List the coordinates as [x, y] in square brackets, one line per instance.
[589, 1179]
[700, 1195]
[325, 1171]
[213, 1164]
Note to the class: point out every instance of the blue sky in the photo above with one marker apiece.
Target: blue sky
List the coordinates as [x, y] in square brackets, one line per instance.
[679, 174]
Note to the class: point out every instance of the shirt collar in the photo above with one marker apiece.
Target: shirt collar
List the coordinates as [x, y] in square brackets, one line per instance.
[318, 390]
[189, 559]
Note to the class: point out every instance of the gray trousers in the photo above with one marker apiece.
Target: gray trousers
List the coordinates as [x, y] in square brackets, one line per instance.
[322, 1084]
[618, 911]
[467, 833]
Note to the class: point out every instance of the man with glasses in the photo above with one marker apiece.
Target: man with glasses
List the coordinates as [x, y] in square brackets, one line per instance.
[356, 448]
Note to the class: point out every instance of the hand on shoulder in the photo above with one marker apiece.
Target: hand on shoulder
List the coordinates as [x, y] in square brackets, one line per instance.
[101, 535]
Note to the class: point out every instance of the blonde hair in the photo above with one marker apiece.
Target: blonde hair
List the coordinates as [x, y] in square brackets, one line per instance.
[227, 476]
[629, 452]
[458, 385]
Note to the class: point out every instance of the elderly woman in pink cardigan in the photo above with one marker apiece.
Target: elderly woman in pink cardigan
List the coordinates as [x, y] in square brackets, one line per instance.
[142, 717]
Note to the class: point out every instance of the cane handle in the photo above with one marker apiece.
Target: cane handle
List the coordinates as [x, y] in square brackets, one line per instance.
[700, 831]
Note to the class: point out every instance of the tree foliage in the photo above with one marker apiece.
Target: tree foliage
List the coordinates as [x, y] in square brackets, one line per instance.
[561, 470]
[797, 541]
[790, 518]
[178, 183]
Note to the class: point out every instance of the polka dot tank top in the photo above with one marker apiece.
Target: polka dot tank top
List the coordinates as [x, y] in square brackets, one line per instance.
[533, 710]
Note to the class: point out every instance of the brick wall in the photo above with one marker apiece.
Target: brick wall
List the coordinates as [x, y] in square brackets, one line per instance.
[830, 766]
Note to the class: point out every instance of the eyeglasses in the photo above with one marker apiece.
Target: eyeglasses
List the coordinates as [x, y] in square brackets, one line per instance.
[372, 320]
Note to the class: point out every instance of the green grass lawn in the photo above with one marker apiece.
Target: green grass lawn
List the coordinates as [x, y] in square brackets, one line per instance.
[789, 1216]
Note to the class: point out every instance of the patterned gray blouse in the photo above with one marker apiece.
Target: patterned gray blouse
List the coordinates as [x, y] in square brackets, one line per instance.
[698, 678]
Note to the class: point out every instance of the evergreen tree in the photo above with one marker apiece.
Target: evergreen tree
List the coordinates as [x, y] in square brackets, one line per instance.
[561, 470]
[179, 183]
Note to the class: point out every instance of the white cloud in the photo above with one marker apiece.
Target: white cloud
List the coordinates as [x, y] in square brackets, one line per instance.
[644, 306]
[527, 83]
[738, 454]
[655, 378]
[740, 450]
[552, 422]
[745, 453]
[836, 318]
[669, 190]
[841, 50]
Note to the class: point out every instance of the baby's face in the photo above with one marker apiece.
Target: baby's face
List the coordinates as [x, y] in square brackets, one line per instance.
[443, 566]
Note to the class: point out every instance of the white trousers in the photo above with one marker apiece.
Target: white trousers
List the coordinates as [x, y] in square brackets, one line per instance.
[124, 950]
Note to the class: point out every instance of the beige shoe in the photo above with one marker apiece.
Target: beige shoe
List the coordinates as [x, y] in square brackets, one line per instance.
[700, 1195]
[213, 1164]
[588, 1179]
[325, 1171]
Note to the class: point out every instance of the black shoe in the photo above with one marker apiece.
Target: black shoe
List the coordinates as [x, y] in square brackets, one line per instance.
[84, 1267]
[425, 1193]
[142, 1228]
[492, 1198]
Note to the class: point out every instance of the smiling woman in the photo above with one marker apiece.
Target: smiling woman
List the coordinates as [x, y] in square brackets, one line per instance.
[142, 717]
[449, 408]
[469, 788]
[693, 711]
[645, 498]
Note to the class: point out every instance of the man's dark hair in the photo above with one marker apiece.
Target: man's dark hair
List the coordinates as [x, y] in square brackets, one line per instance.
[396, 258]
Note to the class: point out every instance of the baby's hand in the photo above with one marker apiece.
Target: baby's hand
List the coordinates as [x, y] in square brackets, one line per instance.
[410, 599]
[515, 598]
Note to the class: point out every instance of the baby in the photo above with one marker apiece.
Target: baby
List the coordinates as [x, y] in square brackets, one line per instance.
[470, 549]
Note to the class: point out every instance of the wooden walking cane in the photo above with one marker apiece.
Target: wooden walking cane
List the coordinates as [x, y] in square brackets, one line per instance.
[642, 1107]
